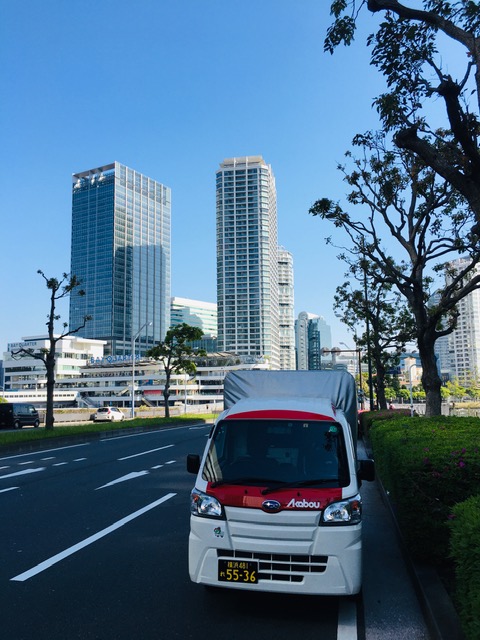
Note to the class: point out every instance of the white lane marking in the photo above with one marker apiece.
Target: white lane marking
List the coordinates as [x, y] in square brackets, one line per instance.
[59, 464]
[27, 462]
[5, 467]
[49, 458]
[26, 575]
[170, 462]
[347, 620]
[79, 459]
[34, 453]
[9, 489]
[129, 476]
[144, 453]
[157, 466]
[22, 473]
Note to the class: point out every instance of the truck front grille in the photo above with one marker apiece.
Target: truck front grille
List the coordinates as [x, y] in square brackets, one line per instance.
[279, 566]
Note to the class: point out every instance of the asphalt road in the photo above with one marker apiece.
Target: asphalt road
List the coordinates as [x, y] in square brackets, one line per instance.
[94, 546]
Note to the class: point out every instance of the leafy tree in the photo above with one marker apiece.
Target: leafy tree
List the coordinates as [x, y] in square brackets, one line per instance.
[455, 390]
[419, 394]
[473, 392]
[413, 49]
[428, 224]
[59, 289]
[404, 393]
[175, 353]
[390, 394]
[389, 320]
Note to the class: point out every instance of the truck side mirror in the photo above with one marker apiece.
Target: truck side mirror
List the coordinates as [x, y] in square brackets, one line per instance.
[193, 463]
[367, 470]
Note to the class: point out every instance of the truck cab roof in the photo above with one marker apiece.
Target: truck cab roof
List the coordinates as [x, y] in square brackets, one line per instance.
[282, 408]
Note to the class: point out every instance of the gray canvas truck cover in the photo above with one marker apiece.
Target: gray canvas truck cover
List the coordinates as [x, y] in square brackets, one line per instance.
[338, 386]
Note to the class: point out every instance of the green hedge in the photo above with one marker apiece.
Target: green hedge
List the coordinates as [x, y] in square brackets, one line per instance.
[465, 551]
[366, 418]
[427, 465]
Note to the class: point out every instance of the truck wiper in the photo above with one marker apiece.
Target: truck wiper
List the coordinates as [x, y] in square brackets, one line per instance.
[298, 483]
[245, 480]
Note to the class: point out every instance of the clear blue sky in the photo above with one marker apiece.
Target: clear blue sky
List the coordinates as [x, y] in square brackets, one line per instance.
[171, 88]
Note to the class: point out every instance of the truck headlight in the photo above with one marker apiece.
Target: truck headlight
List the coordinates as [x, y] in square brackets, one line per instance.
[204, 505]
[347, 511]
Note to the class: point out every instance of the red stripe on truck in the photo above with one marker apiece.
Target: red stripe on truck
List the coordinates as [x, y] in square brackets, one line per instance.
[279, 414]
[290, 498]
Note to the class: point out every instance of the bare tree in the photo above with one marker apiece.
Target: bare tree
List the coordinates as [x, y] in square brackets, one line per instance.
[384, 311]
[58, 289]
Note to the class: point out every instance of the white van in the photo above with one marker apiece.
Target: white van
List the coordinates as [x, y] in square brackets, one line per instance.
[276, 504]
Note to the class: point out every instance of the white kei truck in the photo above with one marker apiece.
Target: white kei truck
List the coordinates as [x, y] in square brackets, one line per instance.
[276, 504]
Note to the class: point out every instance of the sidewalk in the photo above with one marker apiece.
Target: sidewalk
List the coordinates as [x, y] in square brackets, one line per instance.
[401, 599]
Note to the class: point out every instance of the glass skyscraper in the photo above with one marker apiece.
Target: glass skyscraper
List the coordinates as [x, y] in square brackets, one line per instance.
[312, 334]
[247, 259]
[121, 248]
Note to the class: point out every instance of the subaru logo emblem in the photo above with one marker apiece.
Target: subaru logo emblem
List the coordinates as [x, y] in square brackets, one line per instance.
[271, 506]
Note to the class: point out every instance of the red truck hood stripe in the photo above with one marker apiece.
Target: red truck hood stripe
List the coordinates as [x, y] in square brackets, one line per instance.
[251, 497]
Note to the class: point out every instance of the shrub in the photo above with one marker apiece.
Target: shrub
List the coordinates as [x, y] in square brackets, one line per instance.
[366, 418]
[427, 465]
[465, 550]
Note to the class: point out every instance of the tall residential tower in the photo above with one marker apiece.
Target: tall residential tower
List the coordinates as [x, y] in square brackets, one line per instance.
[286, 309]
[247, 259]
[121, 254]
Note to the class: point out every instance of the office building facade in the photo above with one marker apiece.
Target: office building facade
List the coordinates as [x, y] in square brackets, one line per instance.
[247, 259]
[195, 313]
[286, 309]
[121, 252]
[312, 334]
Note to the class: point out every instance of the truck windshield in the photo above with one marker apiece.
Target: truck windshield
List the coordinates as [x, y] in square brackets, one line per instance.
[277, 453]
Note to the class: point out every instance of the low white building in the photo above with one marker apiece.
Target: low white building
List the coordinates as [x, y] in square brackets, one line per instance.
[84, 377]
[25, 375]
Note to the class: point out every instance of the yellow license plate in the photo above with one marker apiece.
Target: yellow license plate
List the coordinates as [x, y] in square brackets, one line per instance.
[243, 571]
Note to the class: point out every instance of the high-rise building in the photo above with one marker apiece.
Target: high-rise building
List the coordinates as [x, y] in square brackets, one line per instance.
[195, 313]
[247, 259]
[121, 253]
[312, 334]
[286, 309]
[464, 342]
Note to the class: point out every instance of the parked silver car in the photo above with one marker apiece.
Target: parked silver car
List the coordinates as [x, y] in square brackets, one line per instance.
[109, 414]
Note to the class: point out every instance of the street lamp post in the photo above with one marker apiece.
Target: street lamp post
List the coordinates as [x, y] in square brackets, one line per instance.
[360, 379]
[185, 378]
[147, 324]
[410, 384]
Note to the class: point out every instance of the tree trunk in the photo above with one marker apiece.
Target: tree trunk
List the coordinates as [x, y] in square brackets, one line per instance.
[166, 392]
[50, 367]
[431, 380]
[381, 400]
